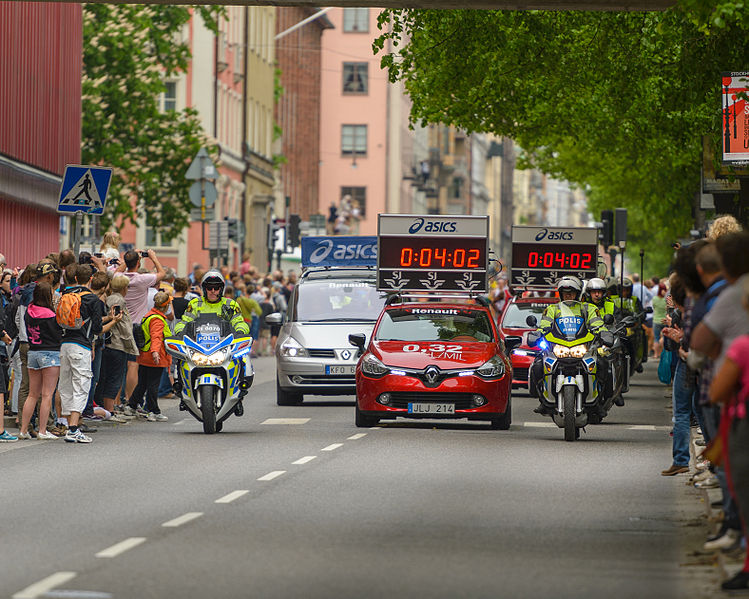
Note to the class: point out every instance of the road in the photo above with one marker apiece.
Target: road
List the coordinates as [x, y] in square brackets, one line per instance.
[312, 506]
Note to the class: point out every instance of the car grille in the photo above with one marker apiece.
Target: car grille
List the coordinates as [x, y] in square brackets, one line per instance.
[321, 353]
[328, 380]
[519, 374]
[401, 399]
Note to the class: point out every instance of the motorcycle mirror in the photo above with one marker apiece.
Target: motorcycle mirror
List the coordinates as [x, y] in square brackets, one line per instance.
[533, 336]
[531, 321]
[608, 320]
[607, 337]
[275, 318]
[513, 341]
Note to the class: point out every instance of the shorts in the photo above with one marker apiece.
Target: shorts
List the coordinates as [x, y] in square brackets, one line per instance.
[39, 359]
[113, 367]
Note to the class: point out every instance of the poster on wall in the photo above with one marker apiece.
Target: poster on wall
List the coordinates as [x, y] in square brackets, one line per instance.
[735, 121]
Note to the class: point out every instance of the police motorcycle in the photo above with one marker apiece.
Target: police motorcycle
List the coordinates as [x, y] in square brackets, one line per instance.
[570, 391]
[214, 371]
[629, 330]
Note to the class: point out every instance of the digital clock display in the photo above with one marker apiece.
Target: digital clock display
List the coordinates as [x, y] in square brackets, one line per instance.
[433, 253]
[554, 256]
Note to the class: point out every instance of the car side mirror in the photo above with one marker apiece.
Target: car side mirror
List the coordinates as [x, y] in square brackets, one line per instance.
[608, 320]
[533, 336]
[275, 318]
[607, 337]
[513, 341]
[358, 340]
[531, 321]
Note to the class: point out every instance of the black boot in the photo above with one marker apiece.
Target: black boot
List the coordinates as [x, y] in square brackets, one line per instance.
[619, 400]
[740, 581]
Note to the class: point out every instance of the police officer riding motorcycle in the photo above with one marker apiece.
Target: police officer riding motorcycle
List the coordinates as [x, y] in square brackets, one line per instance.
[565, 376]
[631, 316]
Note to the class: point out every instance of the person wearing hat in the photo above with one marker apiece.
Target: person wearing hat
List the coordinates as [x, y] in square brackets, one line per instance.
[213, 302]
[152, 360]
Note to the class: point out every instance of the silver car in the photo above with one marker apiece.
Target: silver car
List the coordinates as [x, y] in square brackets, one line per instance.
[313, 353]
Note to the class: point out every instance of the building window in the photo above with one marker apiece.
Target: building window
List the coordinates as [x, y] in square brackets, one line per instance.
[355, 20]
[168, 98]
[354, 140]
[354, 199]
[355, 77]
[154, 239]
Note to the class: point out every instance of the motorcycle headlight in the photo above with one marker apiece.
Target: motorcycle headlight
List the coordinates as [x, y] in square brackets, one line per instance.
[561, 351]
[371, 366]
[578, 351]
[291, 348]
[493, 369]
[215, 359]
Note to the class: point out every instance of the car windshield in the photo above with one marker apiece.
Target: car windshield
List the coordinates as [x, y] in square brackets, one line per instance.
[515, 315]
[434, 324]
[320, 301]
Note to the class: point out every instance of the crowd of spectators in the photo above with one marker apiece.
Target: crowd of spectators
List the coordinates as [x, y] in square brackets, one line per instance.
[68, 355]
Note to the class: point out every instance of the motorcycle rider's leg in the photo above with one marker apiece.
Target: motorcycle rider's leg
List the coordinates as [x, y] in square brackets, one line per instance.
[535, 384]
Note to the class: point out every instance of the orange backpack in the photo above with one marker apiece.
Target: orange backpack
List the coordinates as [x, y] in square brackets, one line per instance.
[69, 310]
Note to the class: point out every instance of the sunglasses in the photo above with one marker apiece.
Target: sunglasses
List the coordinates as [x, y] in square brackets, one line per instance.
[213, 287]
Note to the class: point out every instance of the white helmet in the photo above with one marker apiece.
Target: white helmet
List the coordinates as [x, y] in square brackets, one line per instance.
[596, 284]
[213, 278]
[569, 284]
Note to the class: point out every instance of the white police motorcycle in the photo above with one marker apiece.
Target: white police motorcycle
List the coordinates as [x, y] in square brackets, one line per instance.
[214, 371]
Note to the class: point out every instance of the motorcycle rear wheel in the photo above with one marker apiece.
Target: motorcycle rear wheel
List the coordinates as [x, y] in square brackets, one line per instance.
[568, 404]
[208, 408]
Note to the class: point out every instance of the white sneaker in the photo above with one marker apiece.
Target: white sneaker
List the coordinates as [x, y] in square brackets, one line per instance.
[77, 437]
[730, 540]
[47, 435]
[118, 418]
[128, 411]
[24, 436]
[711, 482]
[156, 417]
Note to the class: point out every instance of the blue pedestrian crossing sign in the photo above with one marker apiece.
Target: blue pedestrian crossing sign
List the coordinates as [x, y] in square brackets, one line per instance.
[84, 189]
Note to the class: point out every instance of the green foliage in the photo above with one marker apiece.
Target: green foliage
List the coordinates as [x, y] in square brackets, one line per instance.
[128, 52]
[615, 102]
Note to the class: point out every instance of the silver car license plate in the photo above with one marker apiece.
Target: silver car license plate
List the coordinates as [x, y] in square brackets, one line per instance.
[431, 408]
[340, 370]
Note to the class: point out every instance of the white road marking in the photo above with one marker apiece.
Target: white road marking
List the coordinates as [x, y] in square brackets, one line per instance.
[357, 436]
[286, 421]
[183, 519]
[642, 427]
[540, 425]
[332, 447]
[272, 475]
[374, 428]
[305, 459]
[121, 547]
[46, 584]
[231, 496]
[180, 422]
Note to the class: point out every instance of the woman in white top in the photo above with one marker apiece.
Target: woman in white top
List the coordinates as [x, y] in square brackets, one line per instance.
[110, 246]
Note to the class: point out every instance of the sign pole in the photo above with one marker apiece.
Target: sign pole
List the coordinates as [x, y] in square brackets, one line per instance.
[77, 234]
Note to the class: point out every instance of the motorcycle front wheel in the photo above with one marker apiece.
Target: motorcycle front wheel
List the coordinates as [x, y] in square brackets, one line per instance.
[208, 408]
[568, 404]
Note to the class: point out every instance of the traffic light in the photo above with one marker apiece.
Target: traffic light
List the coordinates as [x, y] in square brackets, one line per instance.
[607, 233]
[293, 231]
[621, 226]
[233, 228]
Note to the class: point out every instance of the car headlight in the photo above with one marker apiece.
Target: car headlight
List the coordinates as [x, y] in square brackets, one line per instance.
[578, 351]
[291, 348]
[561, 351]
[215, 359]
[371, 366]
[492, 369]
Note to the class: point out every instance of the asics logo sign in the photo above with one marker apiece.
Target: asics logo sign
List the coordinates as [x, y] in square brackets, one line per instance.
[353, 251]
[555, 235]
[433, 226]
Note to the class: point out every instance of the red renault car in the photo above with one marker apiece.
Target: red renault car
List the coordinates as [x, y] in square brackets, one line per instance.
[433, 360]
[512, 325]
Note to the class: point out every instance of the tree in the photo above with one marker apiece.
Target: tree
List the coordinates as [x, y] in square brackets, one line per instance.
[128, 52]
[616, 102]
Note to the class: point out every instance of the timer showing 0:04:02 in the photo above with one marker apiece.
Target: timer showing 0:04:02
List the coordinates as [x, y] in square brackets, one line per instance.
[439, 257]
[572, 260]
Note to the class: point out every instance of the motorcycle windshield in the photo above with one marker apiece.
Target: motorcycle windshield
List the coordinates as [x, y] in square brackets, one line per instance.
[208, 330]
[569, 328]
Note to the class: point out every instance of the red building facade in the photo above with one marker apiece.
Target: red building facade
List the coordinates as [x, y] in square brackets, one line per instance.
[41, 46]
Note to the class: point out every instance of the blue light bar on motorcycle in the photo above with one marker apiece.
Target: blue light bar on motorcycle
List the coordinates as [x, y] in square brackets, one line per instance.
[543, 344]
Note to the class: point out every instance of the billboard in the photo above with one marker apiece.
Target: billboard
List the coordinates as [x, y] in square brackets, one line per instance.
[735, 122]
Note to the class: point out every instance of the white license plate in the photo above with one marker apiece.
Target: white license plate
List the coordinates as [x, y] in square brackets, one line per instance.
[340, 370]
[431, 408]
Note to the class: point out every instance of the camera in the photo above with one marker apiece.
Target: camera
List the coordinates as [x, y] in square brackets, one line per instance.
[144, 254]
[114, 262]
[98, 254]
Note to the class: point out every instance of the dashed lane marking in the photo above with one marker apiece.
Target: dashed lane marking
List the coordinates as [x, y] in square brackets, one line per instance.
[272, 475]
[286, 421]
[121, 547]
[540, 424]
[305, 459]
[643, 427]
[332, 447]
[46, 584]
[357, 436]
[183, 519]
[374, 428]
[231, 496]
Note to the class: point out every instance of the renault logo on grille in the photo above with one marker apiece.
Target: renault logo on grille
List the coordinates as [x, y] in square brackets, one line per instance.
[431, 374]
[345, 354]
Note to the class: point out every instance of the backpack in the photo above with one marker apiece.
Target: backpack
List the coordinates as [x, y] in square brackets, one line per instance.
[142, 332]
[10, 316]
[69, 310]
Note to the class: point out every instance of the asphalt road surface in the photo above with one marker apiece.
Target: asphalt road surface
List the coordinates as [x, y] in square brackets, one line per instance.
[310, 506]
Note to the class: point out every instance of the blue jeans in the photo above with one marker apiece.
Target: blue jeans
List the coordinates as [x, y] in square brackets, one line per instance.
[683, 397]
